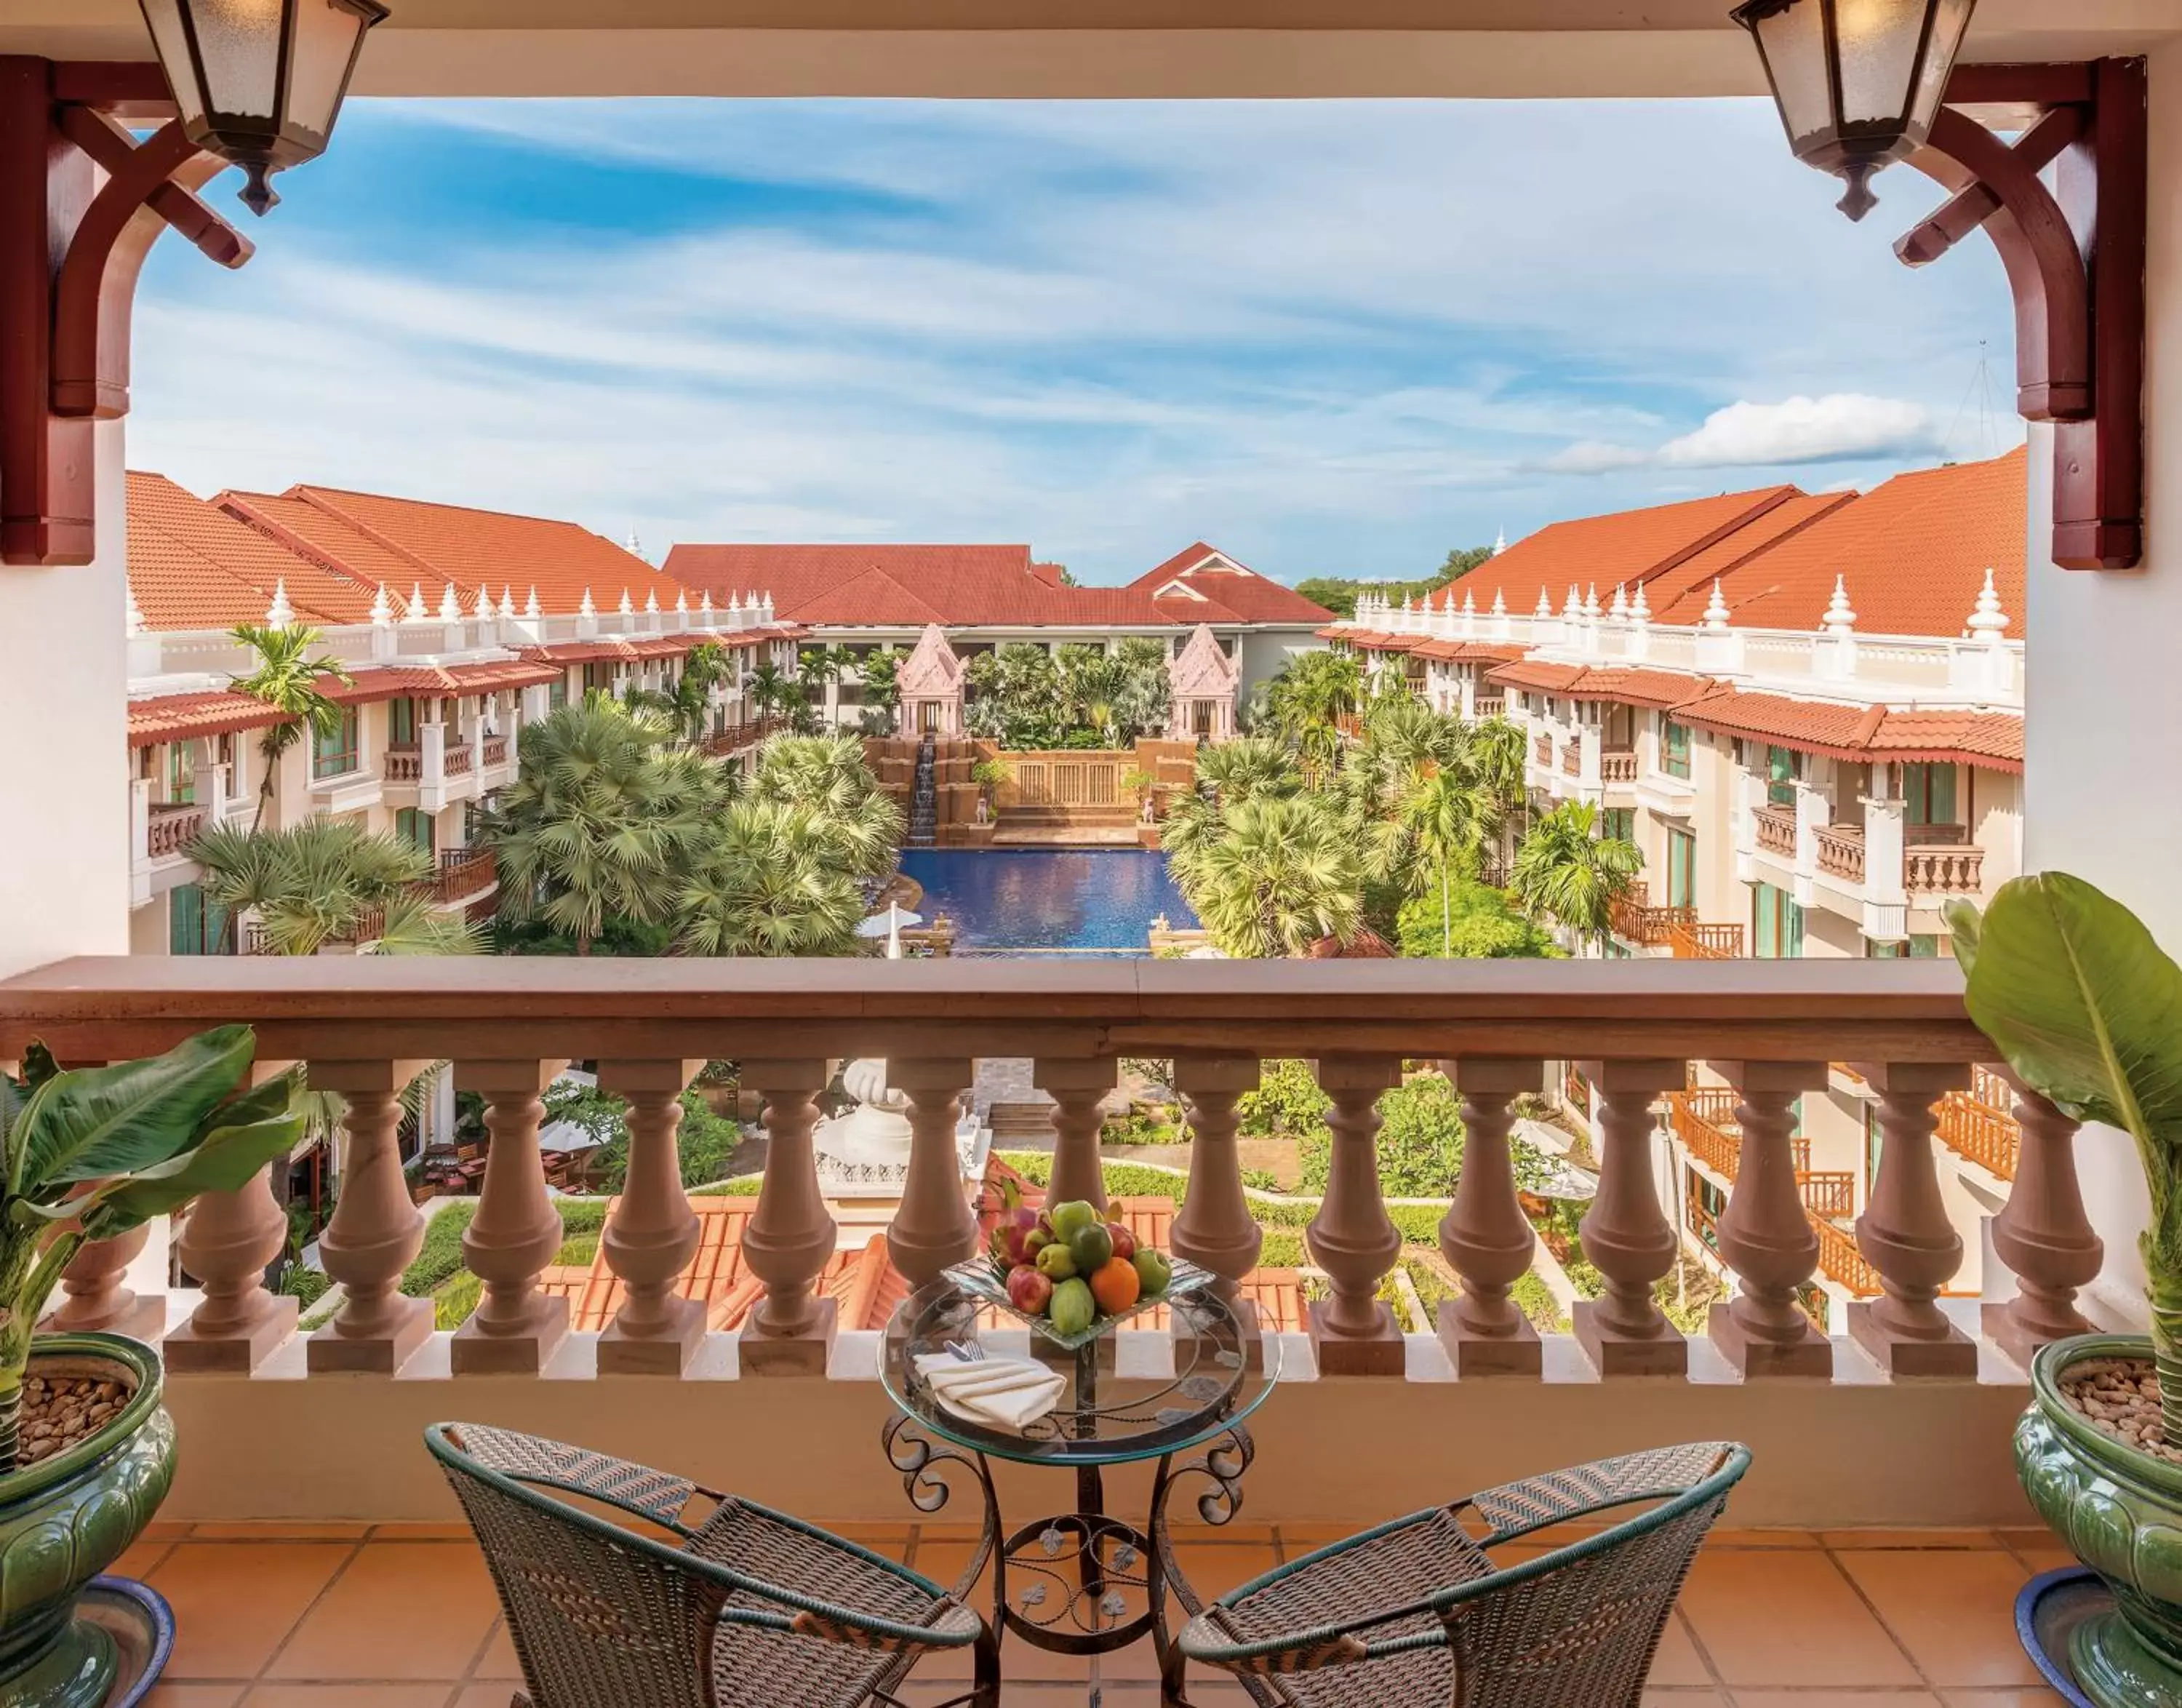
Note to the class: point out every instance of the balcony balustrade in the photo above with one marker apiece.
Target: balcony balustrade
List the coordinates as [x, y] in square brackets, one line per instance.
[1977, 1124]
[1691, 941]
[172, 828]
[459, 759]
[463, 874]
[1572, 759]
[746, 733]
[1636, 922]
[1945, 869]
[405, 764]
[1617, 766]
[1840, 851]
[1489, 706]
[496, 750]
[1542, 751]
[1776, 830]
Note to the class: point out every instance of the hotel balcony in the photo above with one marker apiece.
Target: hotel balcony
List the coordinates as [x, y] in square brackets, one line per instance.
[443, 766]
[1876, 873]
[160, 831]
[1640, 925]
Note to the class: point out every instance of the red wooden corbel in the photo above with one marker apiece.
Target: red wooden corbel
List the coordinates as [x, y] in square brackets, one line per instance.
[2075, 258]
[82, 202]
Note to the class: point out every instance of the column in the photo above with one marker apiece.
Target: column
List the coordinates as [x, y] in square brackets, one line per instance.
[2042, 1234]
[1214, 1228]
[1079, 1088]
[516, 1231]
[791, 1237]
[227, 1240]
[651, 1232]
[1904, 1230]
[93, 1295]
[1764, 1235]
[376, 1229]
[1351, 1238]
[1485, 1236]
[934, 1225]
[1625, 1233]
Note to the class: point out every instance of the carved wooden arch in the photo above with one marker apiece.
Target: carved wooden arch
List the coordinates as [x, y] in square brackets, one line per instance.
[81, 203]
[2075, 258]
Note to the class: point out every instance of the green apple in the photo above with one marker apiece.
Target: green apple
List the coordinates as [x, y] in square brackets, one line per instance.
[1056, 1261]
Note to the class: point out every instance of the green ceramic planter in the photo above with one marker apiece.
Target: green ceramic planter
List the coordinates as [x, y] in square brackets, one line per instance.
[2121, 1510]
[66, 1519]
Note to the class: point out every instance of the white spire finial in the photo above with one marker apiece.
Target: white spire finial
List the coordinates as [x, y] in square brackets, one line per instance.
[1840, 619]
[652, 603]
[682, 608]
[1545, 605]
[381, 613]
[626, 609]
[1591, 603]
[635, 545]
[415, 610]
[705, 605]
[451, 606]
[1572, 607]
[587, 608]
[481, 608]
[1988, 619]
[1500, 544]
[530, 605]
[280, 613]
[1500, 603]
[1469, 602]
[1715, 610]
[133, 622]
[1620, 607]
[1640, 608]
[506, 602]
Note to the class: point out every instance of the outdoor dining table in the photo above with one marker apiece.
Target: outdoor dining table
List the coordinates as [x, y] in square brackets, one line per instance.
[1070, 1581]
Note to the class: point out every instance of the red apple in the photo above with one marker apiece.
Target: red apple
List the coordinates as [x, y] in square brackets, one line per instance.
[1029, 1290]
[1125, 1242]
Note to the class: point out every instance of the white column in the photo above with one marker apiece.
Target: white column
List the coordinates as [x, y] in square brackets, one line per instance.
[2102, 676]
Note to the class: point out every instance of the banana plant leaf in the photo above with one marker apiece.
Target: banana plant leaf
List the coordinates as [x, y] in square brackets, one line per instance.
[86, 1123]
[225, 1160]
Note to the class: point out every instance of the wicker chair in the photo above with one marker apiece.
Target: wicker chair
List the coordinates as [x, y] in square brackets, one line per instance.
[752, 1609]
[1415, 1614]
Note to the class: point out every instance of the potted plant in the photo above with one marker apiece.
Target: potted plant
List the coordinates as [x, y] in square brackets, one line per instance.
[2087, 1009]
[1144, 784]
[987, 774]
[86, 1451]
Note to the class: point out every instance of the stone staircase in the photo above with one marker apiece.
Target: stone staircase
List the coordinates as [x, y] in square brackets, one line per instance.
[1020, 1126]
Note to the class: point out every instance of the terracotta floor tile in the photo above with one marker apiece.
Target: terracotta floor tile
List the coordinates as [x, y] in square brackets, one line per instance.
[1908, 1538]
[450, 1531]
[432, 1600]
[194, 1696]
[2053, 1557]
[138, 1561]
[1678, 1662]
[494, 1696]
[166, 1530]
[1214, 1568]
[1769, 1619]
[1835, 1699]
[235, 1602]
[347, 1696]
[1763, 1539]
[1955, 1613]
[499, 1661]
[284, 1531]
[2038, 1697]
[2031, 1536]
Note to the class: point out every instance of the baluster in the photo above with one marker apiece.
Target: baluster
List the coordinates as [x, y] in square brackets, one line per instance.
[1764, 1235]
[227, 1241]
[1352, 1239]
[1485, 1236]
[791, 1237]
[516, 1231]
[652, 1232]
[1904, 1230]
[1214, 1228]
[2042, 1234]
[933, 1226]
[1078, 1089]
[1625, 1233]
[94, 1297]
[376, 1229]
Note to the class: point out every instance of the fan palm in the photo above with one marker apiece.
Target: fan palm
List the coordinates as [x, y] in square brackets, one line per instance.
[286, 677]
[828, 777]
[601, 822]
[1310, 698]
[1435, 826]
[773, 690]
[1227, 775]
[1566, 872]
[687, 706]
[1281, 874]
[324, 881]
[770, 881]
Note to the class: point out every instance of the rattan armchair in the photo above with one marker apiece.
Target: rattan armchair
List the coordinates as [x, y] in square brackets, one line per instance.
[737, 1606]
[1415, 1614]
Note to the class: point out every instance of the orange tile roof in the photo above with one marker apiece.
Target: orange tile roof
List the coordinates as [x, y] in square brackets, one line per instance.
[403, 542]
[1991, 739]
[1240, 591]
[1912, 552]
[401, 682]
[163, 718]
[192, 566]
[1633, 685]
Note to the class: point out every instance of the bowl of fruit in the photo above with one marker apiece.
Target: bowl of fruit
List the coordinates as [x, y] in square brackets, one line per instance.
[1072, 1274]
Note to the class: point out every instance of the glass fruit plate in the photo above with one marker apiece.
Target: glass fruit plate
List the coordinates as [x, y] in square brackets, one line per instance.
[976, 1278]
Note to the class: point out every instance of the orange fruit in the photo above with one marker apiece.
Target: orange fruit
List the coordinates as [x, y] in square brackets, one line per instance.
[1115, 1285]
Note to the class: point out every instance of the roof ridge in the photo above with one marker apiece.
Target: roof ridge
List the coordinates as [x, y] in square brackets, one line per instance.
[280, 534]
[213, 566]
[308, 494]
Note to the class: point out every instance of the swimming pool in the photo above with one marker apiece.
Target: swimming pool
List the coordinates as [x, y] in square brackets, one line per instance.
[1030, 899]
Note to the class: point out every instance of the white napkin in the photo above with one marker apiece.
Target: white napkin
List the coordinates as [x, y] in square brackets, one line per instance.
[1010, 1392]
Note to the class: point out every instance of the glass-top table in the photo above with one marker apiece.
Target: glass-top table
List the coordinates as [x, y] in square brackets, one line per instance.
[1083, 1582]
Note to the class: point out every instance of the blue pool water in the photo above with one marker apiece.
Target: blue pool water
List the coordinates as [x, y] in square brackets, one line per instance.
[1047, 898]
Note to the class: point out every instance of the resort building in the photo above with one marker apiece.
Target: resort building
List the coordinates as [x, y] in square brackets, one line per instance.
[871, 598]
[458, 627]
[1806, 713]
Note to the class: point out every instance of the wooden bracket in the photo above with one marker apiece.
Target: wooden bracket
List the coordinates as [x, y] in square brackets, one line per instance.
[82, 202]
[2075, 258]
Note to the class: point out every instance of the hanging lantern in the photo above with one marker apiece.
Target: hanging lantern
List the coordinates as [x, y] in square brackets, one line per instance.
[1857, 82]
[260, 82]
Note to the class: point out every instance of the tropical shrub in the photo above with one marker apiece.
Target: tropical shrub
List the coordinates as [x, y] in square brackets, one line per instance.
[1468, 920]
[1288, 1103]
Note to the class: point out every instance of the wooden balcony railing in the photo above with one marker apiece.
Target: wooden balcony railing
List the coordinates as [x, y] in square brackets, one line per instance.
[1979, 1125]
[1635, 921]
[1617, 767]
[464, 873]
[1827, 1193]
[1702, 1116]
[1691, 941]
[1489, 706]
[1776, 829]
[1840, 851]
[364, 1025]
[737, 736]
[1945, 869]
[172, 829]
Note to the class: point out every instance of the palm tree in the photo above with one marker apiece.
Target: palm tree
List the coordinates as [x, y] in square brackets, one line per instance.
[1310, 698]
[687, 706]
[1281, 874]
[1228, 774]
[1146, 689]
[770, 881]
[286, 677]
[1437, 823]
[828, 777]
[1566, 872]
[602, 820]
[772, 689]
[324, 881]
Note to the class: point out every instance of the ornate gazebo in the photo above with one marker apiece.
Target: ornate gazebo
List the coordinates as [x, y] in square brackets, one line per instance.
[930, 682]
[1202, 681]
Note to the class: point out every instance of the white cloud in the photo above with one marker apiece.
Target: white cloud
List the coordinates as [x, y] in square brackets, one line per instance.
[1595, 456]
[1840, 427]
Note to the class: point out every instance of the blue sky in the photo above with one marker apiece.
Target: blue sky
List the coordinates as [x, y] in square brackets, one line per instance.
[1333, 338]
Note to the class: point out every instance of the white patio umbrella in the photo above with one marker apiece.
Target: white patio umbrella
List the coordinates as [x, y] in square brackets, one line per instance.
[888, 925]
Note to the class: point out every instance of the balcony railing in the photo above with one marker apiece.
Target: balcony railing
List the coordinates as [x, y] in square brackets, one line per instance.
[1617, 767]
[496, 750]
[1542, 751]
[1977, 1124]
[737, 736]
[1840, 851]
[1489, 706]
[1776, 830]
[364, 1025]
[405, 764]
[1571, 759]
[1692, 941]
[1635, 921]
[1702, 1116]
[457, 759]
[1952, 869]
[464, 873]
[172, 829]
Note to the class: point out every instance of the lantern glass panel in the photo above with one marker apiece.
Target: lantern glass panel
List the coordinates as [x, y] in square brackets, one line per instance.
[324, 45]
[1949, 21]
[1793, 41]
[172, 43]
[1879, 41]
[239, 43]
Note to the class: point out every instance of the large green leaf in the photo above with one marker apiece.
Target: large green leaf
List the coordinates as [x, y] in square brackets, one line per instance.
[2088, 1010]
[224, 1161]
[89, 1122]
